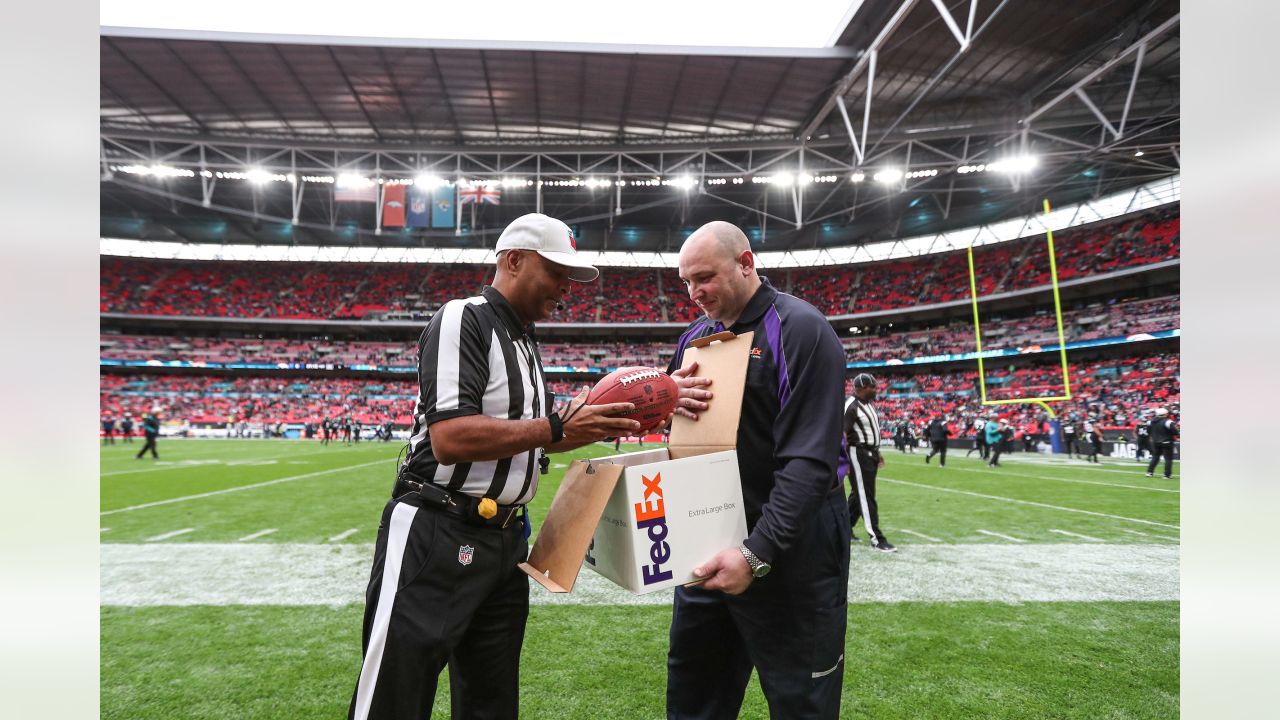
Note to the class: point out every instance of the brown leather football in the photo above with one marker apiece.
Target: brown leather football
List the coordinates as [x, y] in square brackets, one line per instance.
[652, 391]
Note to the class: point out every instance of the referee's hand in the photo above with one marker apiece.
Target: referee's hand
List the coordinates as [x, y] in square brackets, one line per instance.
[692, 399]
[593, 423]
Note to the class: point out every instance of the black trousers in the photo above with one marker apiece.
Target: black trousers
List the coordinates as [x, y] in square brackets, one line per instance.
[939, 448]
[1157, 450]
[862, 493]
[789, 625]
[1144, 446]
[1095, 447]
[150, 444]
[1072, 445]
[997, 448]
[981, 446]
[442, 591]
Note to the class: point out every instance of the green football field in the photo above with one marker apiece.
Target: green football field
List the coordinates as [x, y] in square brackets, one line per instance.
[233, 575]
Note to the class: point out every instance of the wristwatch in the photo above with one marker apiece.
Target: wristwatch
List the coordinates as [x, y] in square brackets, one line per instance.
[759, 568]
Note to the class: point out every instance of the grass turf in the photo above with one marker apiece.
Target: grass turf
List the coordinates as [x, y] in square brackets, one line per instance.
[913, 660]
[909, 660]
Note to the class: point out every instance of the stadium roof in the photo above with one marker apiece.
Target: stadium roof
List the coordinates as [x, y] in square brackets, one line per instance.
[982, 82]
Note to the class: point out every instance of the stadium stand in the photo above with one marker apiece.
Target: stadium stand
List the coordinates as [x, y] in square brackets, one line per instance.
[373, 291]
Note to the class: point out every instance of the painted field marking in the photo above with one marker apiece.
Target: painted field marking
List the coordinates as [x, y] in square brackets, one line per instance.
[161, 465]
[1002, 536]
[1072, 534]
[1072, 480]
[184, 574]
[102, 530]
[344, 535]
[174, 534]
[1160, 537]
[920, 535]
[1030, 502]
[255, 536]
[254, 486]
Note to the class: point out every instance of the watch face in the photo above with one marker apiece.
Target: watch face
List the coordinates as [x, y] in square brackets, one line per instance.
[762, 570]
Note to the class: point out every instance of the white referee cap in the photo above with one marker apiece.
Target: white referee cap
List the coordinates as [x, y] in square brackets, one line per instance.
[551, 239]
[1161, 412]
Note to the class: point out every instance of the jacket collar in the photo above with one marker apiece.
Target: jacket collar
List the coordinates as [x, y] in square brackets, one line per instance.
[760, 302]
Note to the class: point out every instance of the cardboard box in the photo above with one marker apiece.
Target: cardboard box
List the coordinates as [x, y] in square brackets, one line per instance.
[645, 519]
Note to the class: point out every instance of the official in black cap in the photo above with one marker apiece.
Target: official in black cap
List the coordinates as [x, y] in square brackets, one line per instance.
[862, 433]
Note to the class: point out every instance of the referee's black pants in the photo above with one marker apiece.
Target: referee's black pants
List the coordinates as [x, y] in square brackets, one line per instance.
[789, 625]
[939, 448]
[1157, 450]
[442, 591]
[862, 492]
[150, 444]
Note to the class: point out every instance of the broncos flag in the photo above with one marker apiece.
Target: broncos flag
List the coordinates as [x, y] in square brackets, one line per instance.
[393, 205]
[419, 207]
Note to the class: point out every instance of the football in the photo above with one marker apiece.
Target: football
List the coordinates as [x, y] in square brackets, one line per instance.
[652, 391]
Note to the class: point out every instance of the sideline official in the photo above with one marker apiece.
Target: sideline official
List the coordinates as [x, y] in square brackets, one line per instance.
[862, 433]
[938, 431]
[778, 602]
[445, 588]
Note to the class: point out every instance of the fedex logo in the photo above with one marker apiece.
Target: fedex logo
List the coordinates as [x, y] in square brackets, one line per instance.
[651, 516]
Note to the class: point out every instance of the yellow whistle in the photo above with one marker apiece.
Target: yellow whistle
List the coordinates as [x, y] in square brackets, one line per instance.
[487, 508]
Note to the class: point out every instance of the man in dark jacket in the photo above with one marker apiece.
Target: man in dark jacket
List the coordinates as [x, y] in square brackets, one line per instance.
[938, 431]
[1163, 432]
[151, 430]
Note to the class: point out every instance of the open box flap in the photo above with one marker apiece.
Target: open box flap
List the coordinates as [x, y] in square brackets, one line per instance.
[724, 358]
[557, 554]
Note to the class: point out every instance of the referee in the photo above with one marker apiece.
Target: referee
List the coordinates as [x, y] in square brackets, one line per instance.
[862, 433]
[445, 589]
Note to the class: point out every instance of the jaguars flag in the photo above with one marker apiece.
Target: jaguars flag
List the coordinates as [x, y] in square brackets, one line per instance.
[443, 207]
[419, 215]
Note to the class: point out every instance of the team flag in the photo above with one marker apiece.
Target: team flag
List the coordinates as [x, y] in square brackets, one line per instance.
[393, 205]
[443, 207]
[419, 207]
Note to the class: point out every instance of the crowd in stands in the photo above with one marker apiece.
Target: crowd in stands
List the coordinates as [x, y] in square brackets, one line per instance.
[1115, 391]
[1100, 320]
[387, 290]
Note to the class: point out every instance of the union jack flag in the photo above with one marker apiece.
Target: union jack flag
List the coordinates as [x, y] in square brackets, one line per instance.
[480, 194]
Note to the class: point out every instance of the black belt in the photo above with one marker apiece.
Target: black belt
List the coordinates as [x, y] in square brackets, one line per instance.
[464, 506]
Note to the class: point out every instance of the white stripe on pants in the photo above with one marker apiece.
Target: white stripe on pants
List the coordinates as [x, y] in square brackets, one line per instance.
[862, 498]
[397, 535]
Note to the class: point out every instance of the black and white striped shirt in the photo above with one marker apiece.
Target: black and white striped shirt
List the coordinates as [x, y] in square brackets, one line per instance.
[861, 424]
[476, 358]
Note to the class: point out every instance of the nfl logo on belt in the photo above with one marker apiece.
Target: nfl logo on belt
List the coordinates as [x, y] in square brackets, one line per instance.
[465, 553]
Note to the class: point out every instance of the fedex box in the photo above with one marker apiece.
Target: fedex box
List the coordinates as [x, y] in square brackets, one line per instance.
[645, 519]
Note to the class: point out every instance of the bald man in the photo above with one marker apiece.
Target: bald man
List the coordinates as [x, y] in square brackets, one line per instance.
[777, 602]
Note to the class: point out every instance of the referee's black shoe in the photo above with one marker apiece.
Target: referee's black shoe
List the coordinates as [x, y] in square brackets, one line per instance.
[885, 547]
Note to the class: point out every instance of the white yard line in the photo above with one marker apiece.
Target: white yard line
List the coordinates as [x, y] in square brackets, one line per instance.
[102, 530]
[1029, 502]
[255, 536]
[174, 534]
[1002, 536]
[344, 535]
[919, 535]
[1160, 537]
[1072, 534]
[321, 574]
[184, 463]
[238, 488]
[1073, 480]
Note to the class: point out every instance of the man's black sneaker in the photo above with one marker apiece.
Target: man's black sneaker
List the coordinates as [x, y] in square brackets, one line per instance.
[885, 547]
[926, 459]
[1150, 475]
